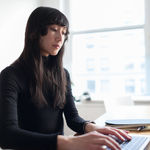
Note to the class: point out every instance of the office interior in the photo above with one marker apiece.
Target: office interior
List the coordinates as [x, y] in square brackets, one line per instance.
[13, 18]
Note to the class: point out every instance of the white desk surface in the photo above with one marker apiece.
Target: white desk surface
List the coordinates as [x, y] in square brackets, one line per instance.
[126, 112]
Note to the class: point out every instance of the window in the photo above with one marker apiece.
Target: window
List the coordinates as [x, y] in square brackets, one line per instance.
[90, 64]
[104, 86]
[100, 14]
[130, 66]
[130, 86]
[142, 86]
[104, 64]
[108, 50]
[91, 85]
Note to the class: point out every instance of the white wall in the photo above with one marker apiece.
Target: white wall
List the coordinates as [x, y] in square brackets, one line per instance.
[88, 111]
[50, 3]
[13, 18]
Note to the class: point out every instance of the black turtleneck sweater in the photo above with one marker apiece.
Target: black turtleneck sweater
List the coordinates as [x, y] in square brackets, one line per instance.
[25, 126]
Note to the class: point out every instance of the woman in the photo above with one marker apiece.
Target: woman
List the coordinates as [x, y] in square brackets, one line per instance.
[36, 90]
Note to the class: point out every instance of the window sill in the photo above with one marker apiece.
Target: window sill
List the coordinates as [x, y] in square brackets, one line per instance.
[138, 100]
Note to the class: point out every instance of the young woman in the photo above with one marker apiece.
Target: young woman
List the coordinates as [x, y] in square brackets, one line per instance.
[35, 91]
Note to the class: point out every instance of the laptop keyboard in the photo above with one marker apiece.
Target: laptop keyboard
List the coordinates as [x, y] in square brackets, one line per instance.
[134, 144]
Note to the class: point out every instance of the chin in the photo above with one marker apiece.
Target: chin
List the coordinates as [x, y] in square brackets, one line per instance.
[53, 54]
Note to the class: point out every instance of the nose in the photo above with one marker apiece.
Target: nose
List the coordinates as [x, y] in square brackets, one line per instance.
[59, 36]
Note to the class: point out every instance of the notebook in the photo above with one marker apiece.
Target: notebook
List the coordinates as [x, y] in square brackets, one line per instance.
[130, 124]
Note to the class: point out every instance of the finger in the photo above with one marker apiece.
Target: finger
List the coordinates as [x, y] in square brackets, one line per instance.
[114, 142]
[113, 128]
[120, 134]
[126, 131]
[101, 139]
[104, 147]
[106, 140]
[109, 142]
[98, 147]
[112, 131]
[123, 133]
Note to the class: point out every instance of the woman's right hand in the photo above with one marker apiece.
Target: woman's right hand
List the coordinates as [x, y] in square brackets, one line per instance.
[89, 141]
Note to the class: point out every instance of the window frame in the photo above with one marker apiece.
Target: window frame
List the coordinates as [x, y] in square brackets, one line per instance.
[145, 26]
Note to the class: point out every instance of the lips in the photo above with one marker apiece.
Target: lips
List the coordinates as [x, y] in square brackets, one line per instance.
[56, 46]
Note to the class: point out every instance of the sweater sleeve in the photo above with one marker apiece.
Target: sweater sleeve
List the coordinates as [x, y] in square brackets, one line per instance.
[74, 121]
[11, 136]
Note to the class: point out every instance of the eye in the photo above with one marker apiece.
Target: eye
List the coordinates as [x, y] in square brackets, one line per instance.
[53, 29]
[64, 33]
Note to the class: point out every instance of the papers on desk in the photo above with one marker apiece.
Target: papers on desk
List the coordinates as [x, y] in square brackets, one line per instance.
[130, 124]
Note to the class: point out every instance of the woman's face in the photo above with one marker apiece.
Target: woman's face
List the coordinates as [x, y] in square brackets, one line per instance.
[51, 43]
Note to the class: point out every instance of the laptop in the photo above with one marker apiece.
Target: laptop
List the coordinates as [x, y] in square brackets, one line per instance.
[138, 142]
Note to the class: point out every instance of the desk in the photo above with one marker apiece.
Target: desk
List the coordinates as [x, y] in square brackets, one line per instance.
[127, 112]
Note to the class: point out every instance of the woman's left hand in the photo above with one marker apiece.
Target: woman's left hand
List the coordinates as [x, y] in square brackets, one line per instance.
[120, 134]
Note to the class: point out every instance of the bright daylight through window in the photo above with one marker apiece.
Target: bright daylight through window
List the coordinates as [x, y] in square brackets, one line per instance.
[108, 49]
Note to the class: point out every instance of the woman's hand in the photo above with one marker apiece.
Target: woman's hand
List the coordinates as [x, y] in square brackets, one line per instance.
[89, 141]
[95, 138]
[120, 134]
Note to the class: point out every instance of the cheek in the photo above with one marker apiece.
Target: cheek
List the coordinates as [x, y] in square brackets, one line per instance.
[42, 46]
[63, 41]
[44, 42]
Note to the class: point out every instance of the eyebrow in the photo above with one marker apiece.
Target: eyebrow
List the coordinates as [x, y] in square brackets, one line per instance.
[64, 27]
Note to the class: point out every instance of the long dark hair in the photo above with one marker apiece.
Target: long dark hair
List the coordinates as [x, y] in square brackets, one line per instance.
[54, 74]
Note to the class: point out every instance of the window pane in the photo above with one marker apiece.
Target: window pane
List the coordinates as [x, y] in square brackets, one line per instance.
[91, 86]
[96, 14]
[105, 86]
[115, 61]
[130, 86]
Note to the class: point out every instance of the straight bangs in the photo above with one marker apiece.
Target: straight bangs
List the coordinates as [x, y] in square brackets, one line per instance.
[59, 19]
